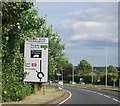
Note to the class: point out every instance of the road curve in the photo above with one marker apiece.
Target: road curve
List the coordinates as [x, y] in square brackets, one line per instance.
[90, 96]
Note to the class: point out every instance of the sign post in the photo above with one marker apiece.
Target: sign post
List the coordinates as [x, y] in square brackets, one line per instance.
[36, 60]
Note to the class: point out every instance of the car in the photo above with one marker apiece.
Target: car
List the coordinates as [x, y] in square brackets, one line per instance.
[82, 82]
[72, 82]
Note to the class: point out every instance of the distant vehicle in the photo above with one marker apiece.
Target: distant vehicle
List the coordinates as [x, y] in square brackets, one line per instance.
[50, 81]
[72, 82]
[81, 82]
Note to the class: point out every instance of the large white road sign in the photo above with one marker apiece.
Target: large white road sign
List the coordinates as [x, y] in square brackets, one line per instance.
[36, 60]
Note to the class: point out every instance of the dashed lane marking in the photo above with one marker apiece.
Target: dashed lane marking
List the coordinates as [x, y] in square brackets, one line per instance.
[116, 100]
[99, 93]
[94, 92]
[88, 90]
[107, 96]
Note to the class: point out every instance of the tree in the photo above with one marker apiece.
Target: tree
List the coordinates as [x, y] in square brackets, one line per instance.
[111, 69]
[19, 22]
[84, 67]
[67, 71]
[56, 56]
[114, 78]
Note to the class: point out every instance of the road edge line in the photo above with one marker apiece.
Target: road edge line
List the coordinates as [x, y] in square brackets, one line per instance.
[66, 98]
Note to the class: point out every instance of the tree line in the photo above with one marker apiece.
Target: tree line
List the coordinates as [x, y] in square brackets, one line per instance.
[85, 70]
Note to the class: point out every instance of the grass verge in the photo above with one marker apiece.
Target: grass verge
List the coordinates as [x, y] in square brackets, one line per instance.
[95, 86]
[39, 98]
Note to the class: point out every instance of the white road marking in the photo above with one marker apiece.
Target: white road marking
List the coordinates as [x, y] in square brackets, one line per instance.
[65, 99]
[116, 100]
[107, 96]
[88, 90]
[99, 93]
[94, 92]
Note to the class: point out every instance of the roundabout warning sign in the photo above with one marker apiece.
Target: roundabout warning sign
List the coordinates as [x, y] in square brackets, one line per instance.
[36, 60]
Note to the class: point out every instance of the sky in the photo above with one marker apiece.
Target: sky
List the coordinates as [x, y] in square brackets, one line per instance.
[89, 29]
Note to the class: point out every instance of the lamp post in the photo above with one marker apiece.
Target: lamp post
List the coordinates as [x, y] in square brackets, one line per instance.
[73, 74]
[92, 66]
[106, 64]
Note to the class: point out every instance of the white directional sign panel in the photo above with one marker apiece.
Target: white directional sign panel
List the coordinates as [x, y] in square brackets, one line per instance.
[36, 60]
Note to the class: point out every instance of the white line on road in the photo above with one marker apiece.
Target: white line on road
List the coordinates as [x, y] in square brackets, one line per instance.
[99, 93]
[88, 90]
[94, 92]
[107, 96]
[116, 100]
[65, 99]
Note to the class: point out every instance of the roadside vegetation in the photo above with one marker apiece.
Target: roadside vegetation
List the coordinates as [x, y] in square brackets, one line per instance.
[94, 86]
[20, 21]
[39, 98]
[85, 70]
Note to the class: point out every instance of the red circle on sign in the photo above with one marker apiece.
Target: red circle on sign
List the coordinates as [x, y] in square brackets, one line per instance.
[34, 64]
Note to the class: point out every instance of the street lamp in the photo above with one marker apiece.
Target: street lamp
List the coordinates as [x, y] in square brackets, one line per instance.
[73, 74]
[105, 61]
[92, 66]
[106, 64]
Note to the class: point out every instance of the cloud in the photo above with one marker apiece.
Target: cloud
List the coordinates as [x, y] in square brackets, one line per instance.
[82, 23]
[79, 37]
[98, 37]
[84, 28]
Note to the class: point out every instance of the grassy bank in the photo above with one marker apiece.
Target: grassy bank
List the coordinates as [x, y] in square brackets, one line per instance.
[39, 98]
[94, 86]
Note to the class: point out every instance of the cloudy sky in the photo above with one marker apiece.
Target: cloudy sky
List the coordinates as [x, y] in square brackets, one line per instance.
[86, 28]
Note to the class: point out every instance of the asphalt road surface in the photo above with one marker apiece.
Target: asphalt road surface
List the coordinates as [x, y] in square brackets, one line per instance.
[80, 95]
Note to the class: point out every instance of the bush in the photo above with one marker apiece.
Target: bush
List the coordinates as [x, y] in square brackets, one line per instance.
[15, 90]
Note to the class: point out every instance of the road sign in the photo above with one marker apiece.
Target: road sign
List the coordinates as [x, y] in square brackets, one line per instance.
[36, 60]
[58, 74]
[60, 85]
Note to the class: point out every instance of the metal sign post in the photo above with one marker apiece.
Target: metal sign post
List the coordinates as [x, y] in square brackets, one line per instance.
[44, 87]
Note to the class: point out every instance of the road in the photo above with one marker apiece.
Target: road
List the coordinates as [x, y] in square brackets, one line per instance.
[81, 95]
